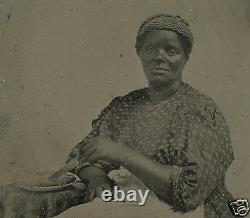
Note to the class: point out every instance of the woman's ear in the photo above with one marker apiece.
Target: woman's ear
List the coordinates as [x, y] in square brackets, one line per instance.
[139, 53]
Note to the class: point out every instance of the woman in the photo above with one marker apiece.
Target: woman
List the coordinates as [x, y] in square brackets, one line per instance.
[173, 138]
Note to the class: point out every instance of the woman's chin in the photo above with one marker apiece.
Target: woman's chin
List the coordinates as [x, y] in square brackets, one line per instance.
[159, 82]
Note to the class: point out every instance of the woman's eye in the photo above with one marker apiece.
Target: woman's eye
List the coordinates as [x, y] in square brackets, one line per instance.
[172, 51]
[149, 48]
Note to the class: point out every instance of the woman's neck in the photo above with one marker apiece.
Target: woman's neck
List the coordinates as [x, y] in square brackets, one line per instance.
[159, 92]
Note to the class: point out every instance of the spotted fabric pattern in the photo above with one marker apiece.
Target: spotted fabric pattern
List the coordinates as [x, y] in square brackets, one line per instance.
[186, 131]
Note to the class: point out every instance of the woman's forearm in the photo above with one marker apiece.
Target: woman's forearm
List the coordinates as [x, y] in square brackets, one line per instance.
[154, 175]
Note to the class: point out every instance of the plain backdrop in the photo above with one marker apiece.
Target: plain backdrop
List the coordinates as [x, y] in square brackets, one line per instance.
[62, 61]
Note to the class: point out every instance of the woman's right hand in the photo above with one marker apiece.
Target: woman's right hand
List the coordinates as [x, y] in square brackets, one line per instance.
[97, 182]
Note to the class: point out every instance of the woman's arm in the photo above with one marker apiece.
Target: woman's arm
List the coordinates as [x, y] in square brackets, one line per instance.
[202, 153]
[95, 174]
[100, 126]
[154, 175]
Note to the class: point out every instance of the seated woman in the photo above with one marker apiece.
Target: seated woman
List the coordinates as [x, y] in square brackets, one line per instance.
[173, 138]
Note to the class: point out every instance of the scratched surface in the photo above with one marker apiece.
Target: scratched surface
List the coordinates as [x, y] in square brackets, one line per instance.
[61, 62]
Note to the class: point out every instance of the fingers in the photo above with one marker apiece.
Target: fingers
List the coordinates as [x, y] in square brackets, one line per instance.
[89, 152]
[96, 185]
[92, 150]
[92, 192]
[107, 187]
[87, 147]
[73, 154]
[89, 194]
[100, 189]
[77, 151]
[92, 158]
[84, 143]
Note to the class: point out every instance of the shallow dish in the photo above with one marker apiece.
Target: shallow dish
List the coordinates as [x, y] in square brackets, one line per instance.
[72, 179]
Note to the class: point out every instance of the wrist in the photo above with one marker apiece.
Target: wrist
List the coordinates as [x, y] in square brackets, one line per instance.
[102, 166]
[91, 171]
[85, 165]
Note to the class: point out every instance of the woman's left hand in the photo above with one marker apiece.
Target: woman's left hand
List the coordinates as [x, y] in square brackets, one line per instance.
[103, 148]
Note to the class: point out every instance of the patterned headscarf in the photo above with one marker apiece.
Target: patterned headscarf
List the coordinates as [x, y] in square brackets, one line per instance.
[166, 22]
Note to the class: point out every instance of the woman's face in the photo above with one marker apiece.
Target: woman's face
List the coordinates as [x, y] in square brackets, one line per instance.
[162, 56]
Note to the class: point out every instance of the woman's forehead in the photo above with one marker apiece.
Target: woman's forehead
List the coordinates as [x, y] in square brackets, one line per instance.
[166, 36]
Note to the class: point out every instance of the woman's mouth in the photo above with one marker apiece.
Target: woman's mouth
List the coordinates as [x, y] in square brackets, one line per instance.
[159, 71]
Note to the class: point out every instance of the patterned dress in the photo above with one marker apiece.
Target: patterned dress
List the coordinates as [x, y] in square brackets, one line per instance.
[186, 131]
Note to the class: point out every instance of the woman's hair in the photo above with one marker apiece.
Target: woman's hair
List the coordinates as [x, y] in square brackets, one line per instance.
[166, 22]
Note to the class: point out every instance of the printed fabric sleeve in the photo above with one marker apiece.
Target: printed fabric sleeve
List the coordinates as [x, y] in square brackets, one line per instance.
[100, 126]
[200, 151]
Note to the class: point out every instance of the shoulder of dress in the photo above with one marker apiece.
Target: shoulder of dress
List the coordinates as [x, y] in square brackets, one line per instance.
[197, 100]
[132, 97]
[199, 104]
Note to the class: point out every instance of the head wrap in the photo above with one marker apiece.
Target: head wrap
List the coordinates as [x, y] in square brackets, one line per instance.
[166, 22]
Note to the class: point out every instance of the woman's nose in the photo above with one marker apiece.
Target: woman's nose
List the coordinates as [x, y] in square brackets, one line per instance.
[161, 55]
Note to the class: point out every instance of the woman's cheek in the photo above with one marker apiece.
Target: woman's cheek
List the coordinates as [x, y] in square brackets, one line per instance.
[176, 63]
[146, 62]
